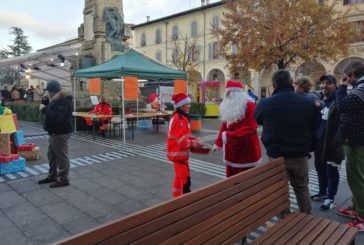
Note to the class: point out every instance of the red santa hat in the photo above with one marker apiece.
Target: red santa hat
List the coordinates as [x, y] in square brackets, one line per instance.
[180, 100]
[233, 86]
[153, 97]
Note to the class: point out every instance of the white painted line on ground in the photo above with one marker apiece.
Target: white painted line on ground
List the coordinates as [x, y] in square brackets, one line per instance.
[43, 170]
[10, 176]
[31, 171]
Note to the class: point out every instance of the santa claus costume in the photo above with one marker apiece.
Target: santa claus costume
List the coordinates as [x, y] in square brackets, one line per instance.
[179, 142]
[238, 136]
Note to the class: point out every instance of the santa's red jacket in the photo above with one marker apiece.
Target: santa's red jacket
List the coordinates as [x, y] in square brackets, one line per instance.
[239, 141]
[102, 109]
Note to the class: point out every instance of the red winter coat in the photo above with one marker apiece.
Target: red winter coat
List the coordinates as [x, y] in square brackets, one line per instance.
[240, 141]
[102, 109]
[179, 138]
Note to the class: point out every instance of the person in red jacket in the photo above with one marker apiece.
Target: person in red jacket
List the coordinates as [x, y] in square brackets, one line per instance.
[238, 136]
[179, 142]
[102, 108]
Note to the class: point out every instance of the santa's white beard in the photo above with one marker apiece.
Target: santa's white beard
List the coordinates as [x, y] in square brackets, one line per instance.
[232, 108]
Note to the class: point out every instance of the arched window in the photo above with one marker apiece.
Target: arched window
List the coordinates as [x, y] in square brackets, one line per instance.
[158, 55]
[194, 29]
[196, 53]
[175, 32]
[158, 36]
[143, 40]
[215, 22]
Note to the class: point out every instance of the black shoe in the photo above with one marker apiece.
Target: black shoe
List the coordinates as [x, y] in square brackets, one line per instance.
[59, 184]
[47, 180]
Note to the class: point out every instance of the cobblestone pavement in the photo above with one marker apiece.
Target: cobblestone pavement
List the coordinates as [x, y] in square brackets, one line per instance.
[109, 179]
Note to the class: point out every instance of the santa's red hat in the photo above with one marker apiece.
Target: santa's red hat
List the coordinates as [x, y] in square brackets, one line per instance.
[233, 86]
[153, 97]
[180, 100]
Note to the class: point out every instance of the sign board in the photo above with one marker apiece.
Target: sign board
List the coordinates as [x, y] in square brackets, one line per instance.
[166, 93]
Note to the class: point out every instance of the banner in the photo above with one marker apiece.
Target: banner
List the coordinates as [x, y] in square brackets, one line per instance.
[180, 86]
[94, 87]
[131, 88]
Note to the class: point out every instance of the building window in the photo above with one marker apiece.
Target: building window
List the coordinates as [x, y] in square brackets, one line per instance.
[194, 29]
[175, 32]
[158, 37]
[215, 22]
[210, 51]
[215, 50]
[359, 30]
[158, 55]
[143, 41]
[195, 53]
[348, 2]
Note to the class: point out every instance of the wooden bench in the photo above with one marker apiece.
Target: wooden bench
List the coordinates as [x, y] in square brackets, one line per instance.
[223, 213]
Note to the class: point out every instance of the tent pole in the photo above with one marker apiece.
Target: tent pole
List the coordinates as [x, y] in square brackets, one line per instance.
[74, 103]
[123, 107]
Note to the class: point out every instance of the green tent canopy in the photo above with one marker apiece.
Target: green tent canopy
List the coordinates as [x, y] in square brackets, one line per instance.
[133, 64]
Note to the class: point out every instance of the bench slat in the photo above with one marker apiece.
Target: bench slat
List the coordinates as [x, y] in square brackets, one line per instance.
[286, 226]
[348, 237]
[158, 225]
[134, 220]
[168, 225]
[321, 226]
[330, 229]
[340, 231]
[236, 225]
[305, 230]
[210, 222]
[294, 229]
[241, 229]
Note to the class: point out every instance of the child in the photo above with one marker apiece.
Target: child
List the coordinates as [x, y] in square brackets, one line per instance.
[179, 142]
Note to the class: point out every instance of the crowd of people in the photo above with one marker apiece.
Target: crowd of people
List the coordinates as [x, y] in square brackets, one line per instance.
[19, 93]
[295, 123]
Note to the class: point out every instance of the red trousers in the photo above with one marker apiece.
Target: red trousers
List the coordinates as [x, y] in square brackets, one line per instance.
[102, 124]
[182, 180]
[230, 171]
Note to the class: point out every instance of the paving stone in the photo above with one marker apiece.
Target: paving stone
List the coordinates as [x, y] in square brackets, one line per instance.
[24, 185]
[80, 224]
[85, 184]
[14, 236]
[62, 212]
[41, 197]
[110, 214]
[107, 196]
[110, 183]
[10, 199]
[129, 206]
[24, 213]
[4, 187]
[44, 231]
[87, 172]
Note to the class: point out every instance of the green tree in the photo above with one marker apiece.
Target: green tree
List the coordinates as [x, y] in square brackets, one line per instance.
[20, 43]
[276, 33]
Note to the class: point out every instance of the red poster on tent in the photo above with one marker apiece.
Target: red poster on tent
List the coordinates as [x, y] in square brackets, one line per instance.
[94, 87]
[180, 86]
[131, 88]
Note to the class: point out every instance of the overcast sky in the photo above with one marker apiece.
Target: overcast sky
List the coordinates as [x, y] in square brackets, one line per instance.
[48, 22]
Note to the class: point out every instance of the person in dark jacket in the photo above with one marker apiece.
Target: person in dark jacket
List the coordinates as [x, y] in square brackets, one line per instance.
[288, 121]
[58, 124]
[351, 109]
[328, 152]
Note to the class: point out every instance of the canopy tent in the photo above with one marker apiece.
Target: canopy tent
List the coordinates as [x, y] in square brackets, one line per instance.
[131, 64]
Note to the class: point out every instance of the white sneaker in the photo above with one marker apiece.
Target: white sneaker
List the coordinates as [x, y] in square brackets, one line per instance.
[328, 204]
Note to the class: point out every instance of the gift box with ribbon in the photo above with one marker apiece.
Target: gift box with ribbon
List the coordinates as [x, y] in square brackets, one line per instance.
[5, 144]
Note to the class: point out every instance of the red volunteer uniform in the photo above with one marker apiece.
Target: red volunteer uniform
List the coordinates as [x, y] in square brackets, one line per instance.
[103, 109]
[178, 146]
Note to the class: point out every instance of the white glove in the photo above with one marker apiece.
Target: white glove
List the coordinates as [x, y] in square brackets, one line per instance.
[215, 148]
[41, 107]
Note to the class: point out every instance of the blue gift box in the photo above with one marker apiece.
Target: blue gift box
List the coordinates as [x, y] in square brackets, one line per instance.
[144, 124]
[19, 138]
[13, 166]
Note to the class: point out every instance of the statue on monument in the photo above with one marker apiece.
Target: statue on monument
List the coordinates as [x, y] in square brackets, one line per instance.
[114, 28]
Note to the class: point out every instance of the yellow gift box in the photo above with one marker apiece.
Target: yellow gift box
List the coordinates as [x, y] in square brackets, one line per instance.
[7, 124]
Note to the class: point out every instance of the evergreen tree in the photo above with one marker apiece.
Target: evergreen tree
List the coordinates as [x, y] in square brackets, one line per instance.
[20, 43]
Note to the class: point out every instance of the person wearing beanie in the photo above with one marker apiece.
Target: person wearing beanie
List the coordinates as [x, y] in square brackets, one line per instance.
[238, 136]
[58, 124]
[179, 142]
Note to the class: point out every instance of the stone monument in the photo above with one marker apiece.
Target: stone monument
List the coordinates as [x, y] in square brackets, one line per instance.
[102, 31]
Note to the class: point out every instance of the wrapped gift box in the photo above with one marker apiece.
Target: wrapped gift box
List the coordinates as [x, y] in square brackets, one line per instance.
[30, 155]
[13, 166]
[201, 149]
[19, 138]
[5, 144]
[26, 147]
[8, 158]
[7, 124]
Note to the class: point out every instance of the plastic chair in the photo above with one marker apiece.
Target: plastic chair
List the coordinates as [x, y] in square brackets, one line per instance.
[116, 123]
